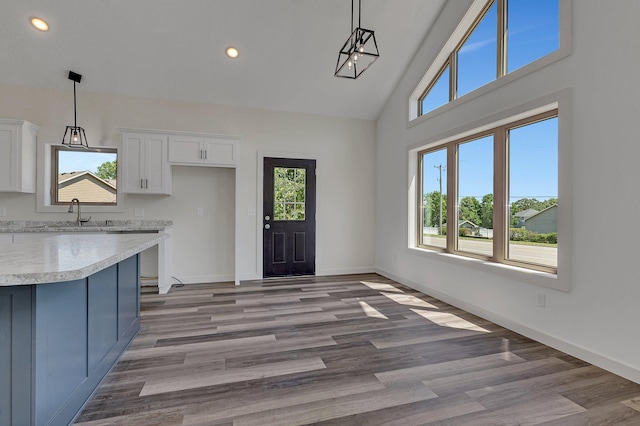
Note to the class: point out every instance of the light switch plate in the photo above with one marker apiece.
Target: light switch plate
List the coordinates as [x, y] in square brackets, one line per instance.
[200, 211]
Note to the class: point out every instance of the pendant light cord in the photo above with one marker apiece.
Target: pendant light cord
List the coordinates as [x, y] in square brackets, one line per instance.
[351, 28]
[75, 118]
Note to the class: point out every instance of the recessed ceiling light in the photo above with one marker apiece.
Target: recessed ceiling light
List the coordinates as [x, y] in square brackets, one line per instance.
[39, 23]
[232, 52]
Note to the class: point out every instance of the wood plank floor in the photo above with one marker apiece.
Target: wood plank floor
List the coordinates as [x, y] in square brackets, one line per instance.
[343, 350]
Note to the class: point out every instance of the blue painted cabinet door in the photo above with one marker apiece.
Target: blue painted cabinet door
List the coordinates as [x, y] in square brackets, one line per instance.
[15, 355]
[103, 314]
[128, 295]
[60, 348]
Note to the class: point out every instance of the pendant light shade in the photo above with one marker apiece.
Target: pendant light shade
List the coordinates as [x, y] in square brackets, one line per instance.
[74, 136]
[359, 51]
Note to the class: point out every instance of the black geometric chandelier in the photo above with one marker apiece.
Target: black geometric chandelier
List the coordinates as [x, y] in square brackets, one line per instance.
[359, 51]
[77, 137]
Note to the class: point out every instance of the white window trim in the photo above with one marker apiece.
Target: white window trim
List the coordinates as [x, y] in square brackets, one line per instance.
[560, 281]
[454, 39]
[43, 188]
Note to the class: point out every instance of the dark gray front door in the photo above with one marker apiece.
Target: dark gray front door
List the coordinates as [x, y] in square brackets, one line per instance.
[289, 222]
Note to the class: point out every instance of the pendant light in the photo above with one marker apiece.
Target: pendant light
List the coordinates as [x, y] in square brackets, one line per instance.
[77, 138]
[359, 51]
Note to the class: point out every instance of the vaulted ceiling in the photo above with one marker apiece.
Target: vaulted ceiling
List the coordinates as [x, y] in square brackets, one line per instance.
[174, 49]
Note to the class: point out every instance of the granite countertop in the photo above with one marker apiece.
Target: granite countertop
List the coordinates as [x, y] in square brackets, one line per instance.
[68, 257]
[19, 226]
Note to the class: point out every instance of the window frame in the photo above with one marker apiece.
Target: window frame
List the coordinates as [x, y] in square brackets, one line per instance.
[435, 80]
[55, 149]
[501, 217]
[420, 195]
[447, 53]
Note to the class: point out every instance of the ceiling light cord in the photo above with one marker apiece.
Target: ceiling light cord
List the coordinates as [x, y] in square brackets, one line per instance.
[75, 111]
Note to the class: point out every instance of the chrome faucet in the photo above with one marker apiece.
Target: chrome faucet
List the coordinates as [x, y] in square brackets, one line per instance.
[79, 220]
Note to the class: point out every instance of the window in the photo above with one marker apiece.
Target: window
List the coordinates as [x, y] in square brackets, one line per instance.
[433, 222]
[475, 190]
[532, 32]
[289, 193]
[514, 166]
[533, 193]
[438, 94]
[88, 175]
[506, 35]
[476, 58]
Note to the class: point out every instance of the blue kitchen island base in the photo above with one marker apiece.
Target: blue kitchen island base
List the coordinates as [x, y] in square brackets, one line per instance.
[59, 340]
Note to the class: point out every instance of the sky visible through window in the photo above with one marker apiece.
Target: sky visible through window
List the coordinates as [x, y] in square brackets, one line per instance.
[533, 165]
[79, 161]
[533, 30]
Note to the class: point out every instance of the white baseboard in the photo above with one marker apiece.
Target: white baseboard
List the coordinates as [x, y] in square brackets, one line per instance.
[248, 277]
[202, 279]
[346, 271]
[582, 353]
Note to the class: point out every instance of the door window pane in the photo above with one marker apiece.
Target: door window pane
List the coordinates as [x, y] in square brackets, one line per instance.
[90, 176]
[477, 57]
[289, 193]
[434, 199]
[533, 193]
[532, 31]
[475, 196]
[438, 95]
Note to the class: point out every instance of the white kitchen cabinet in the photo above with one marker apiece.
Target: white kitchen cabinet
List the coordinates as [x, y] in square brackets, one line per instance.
[18, 156]
[145, 169]
[195, 150]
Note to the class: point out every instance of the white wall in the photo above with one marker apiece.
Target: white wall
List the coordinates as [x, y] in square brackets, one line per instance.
[205, 247]
[598, 318]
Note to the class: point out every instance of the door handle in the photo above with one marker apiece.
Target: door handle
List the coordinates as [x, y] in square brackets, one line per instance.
[267, 226]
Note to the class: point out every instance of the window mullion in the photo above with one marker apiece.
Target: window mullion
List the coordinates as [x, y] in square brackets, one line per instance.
[453, 76]
[501, 55]
[452, 196]
[420, 201]
[500, 202]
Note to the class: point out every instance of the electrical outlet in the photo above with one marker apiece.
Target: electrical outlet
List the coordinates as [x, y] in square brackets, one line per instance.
[251, 211]
[542, 300]
[138, 212]
[3, 211]
[200, 211]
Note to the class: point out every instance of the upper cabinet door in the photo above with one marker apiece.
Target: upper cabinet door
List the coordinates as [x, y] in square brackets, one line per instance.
[145, 166]
[185, 150]
[157, 176]
[213, 151]
[132, 164]
[18, 156]
[220, 151]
